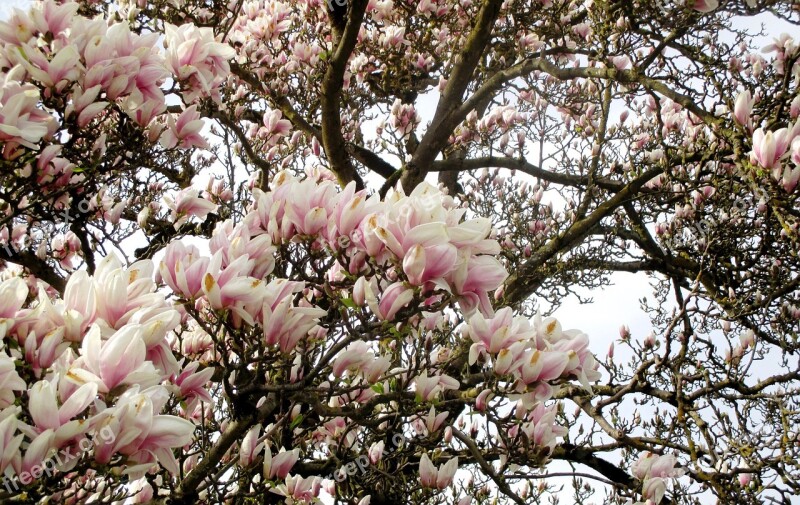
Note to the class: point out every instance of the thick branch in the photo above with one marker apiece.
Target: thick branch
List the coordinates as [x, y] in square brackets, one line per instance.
[363, 155]
[187, 490]
[519, 285]
[39, 268]
[625, 77]
[254, 158]
[612, 472]
[499, 480]
[445, 118]
[331, 94]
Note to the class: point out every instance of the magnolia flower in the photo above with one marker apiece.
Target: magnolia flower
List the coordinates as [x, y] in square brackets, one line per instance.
[132, 428]
[473, 279]
[433, 421]
[394, 298]
[375, 452]
[745, 478]
[232, 288]
[46, 413]
[275, 125]
[182, 269]
[439, 478]
[492, 335]
[190, 384]
[428, 388]
[186, 204]
[394, 36]
[422, 264]
[743, 108]
[747, 339]
[620, 62]
[10, 442]
[54, 72]
[52, 18]
[117, 293]
[10, 380]
[404, 117]
[654, 489]
[140, 491]
[652, 470]
[250, 446]
[279, 466]
[705, 5]
[13, 292]
[540, 424]
[119, 360]
[769, 147]
[195, 57]
[284, 323]
[543, 365]
[36, 453]
[21, 121]
[790, 178]
[352, 358]
[583, 30]
[185, 132]
[85, 104]
[297, 489]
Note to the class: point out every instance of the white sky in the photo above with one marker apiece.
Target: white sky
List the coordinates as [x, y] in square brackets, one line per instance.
[7, 6]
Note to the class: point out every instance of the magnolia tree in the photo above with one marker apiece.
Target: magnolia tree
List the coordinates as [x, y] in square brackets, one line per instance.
[259, 251]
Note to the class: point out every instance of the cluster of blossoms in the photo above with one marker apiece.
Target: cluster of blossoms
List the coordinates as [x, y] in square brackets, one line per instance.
[100, 359]
[531, 354]
[419, 243]
[421, 237]
[538, 358]
[93, 67]
[770, 166]
[69, 83]
[104, 356]
[777, 151]
[502, 123]
[404, 118]
[406, 252]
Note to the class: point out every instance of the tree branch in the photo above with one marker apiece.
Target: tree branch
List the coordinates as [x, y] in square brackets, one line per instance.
[456, 164]
[445, 118]
[39, 268]
[519, 285]
[187, 490]
[584, 456]
[331, 94]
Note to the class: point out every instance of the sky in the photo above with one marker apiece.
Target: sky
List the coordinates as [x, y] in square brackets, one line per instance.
[7, 6]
